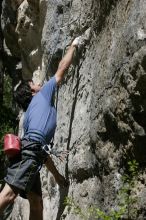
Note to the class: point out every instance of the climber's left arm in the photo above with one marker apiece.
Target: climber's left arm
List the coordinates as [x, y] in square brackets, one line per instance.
[61, 181]
[66, 61]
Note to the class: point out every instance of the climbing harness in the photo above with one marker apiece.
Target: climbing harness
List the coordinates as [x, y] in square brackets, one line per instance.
[57, 153]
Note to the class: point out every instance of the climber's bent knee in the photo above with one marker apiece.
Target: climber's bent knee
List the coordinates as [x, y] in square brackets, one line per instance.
[9, 192]
[7, 196]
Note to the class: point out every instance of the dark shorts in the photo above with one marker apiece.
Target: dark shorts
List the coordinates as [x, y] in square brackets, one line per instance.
[23, 170]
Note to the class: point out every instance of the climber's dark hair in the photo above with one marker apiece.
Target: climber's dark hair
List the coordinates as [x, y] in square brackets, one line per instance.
[23, 94]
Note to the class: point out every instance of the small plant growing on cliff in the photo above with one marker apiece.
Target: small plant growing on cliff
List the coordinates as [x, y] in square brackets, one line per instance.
[126, 195]
[93, 212]
[126, 200]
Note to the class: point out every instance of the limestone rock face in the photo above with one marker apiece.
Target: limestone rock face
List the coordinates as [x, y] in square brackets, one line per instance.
[102, 100]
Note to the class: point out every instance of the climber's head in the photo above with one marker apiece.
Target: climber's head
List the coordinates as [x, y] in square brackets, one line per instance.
[23, 93]
[35, 87]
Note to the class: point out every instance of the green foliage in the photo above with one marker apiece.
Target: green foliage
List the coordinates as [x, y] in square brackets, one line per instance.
[7, 117]
[126, 200]
[93, 212]
[126, 193]
[7, 96]
[7, 122]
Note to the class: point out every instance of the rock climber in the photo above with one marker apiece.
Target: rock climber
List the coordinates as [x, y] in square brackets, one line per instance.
[39, 128]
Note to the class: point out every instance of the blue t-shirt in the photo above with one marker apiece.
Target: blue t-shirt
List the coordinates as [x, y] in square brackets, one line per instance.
[40, 117]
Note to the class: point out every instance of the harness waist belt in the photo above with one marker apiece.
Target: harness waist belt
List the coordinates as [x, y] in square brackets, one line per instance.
[36, 136]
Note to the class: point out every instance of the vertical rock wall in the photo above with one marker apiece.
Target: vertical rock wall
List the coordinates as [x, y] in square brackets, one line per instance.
[102, 100]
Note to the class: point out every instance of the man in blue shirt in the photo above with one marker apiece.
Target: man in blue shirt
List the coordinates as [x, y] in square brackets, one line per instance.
[39, 128]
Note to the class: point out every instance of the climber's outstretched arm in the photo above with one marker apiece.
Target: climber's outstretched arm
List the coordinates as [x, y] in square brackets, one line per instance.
[64, 64]
[61, 181]
[66, 61]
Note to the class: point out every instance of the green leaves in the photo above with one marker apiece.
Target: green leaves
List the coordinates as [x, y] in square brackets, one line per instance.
[125, 200]
[7, 116]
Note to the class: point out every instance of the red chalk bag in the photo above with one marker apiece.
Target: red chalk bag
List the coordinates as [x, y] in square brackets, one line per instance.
[12, 145]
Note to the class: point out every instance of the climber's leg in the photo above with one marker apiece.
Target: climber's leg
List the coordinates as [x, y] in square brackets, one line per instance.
[7, 196]
[35, 199]
[36, 206]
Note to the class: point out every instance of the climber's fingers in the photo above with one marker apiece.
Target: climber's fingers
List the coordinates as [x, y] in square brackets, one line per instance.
[61, 159]
[76, 41]
[65, 152]
[62, 156]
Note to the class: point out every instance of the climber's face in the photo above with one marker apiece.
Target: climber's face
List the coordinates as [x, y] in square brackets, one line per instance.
[34, 87]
